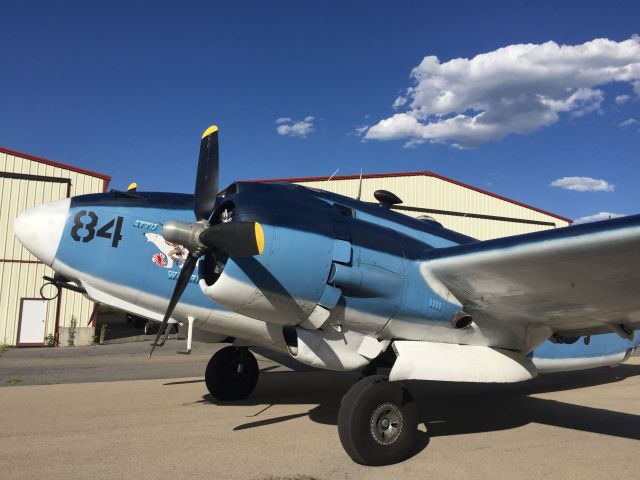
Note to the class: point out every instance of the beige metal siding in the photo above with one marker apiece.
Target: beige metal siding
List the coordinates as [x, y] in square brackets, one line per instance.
[20, 272]
[425, 191]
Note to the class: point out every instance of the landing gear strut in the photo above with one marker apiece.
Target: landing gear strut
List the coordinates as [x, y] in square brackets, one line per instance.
[232, 373]
[378, 422]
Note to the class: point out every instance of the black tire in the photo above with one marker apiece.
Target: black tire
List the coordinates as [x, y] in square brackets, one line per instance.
[231, 374]
[362, 432]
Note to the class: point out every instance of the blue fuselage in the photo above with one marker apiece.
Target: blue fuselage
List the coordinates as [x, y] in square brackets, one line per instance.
[322, 251]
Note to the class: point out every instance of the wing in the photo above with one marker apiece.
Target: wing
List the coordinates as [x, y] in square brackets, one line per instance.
[578, 280]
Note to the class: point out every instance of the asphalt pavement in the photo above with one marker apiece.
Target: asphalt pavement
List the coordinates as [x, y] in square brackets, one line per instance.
[103, 363]
[568, 426]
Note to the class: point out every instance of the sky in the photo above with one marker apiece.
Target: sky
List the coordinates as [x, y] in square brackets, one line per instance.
[534, 100]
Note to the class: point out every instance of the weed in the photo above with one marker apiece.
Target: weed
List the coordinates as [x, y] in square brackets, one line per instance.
[73, 327]
[3, 348]
[14, 381]
[49, 340]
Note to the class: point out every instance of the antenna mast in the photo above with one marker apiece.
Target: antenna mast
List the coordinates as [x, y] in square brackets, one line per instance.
[359, 186]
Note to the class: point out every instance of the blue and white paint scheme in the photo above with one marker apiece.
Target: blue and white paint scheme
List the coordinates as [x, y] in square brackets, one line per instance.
[346, 285]
[369, 271]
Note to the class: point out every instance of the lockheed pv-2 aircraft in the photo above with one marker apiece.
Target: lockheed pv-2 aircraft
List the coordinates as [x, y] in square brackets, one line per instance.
[346, 285]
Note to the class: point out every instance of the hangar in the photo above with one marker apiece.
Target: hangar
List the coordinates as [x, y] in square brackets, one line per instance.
[457, 206]
[26, 319]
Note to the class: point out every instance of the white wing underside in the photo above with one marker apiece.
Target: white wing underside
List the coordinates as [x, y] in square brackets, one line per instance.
[577, 280]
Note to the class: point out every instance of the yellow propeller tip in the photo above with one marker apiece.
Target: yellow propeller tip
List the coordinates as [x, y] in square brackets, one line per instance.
[259, 237]
[132, 186]
[210, 130]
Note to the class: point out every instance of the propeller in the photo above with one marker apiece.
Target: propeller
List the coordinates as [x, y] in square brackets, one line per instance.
[204, 199]
[233, 238]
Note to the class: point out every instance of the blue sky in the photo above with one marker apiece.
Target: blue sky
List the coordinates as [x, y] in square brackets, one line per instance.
[126, 88]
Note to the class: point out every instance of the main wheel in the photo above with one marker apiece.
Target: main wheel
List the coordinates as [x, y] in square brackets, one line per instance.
[378, 422]
[232, 373]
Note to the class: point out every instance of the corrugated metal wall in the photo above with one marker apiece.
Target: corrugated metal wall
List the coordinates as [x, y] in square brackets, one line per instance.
[431, 192]
[20, 272]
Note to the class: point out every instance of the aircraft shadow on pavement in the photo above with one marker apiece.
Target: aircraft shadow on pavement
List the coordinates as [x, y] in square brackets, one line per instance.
[451, 408]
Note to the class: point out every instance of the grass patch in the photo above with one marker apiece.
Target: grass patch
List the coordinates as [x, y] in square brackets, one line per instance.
[14, 381]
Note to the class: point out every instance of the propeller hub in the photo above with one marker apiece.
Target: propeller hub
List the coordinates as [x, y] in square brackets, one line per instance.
[186, 234]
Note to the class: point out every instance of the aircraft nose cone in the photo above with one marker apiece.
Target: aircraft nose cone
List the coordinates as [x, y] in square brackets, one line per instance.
[40, 228]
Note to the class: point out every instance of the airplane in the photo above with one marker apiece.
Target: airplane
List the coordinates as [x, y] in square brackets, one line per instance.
[341, 284]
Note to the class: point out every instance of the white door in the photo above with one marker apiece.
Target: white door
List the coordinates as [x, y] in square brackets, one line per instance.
[33, 321]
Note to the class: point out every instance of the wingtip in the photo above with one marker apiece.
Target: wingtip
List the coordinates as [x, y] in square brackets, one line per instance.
[210, 130]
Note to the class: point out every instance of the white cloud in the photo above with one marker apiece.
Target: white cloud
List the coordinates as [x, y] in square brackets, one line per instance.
[597, 217]
[622, 99]
[515, 89]
[628, 122]
[293, 128]
[583, 184]
[359, 131]
[399, 102]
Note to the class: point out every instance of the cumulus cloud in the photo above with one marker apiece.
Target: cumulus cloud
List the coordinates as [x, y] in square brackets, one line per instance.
[292, 128]
[583, 184]
[622, 99]
[628, 122]
[513, 90]
[597, 217]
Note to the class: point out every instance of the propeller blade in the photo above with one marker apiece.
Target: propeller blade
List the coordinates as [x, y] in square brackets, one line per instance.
[182, 282]
[236, 239]
[204, 199]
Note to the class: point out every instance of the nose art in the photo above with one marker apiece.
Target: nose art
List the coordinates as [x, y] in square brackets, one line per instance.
[40, 228]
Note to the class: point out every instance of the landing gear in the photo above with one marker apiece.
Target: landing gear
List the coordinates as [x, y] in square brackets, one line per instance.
[378, 422]
[232, 373]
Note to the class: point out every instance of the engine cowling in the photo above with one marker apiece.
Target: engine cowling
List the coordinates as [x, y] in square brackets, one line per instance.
[288, 281]
[283, 285]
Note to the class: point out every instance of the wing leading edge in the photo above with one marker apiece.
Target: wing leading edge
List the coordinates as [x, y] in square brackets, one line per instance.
[578, 280]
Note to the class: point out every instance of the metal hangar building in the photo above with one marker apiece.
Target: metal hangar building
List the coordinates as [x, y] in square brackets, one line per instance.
[464, 208]
[26, 319]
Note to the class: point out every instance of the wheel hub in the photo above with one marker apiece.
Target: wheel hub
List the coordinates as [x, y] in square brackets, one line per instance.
[386, 424]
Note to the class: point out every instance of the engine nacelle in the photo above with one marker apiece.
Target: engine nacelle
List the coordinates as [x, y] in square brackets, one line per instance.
[587, 352]
[283, 285]
[333, 350]
[288, 281]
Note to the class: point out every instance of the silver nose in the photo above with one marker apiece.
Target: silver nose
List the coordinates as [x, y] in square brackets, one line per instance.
[40, 228]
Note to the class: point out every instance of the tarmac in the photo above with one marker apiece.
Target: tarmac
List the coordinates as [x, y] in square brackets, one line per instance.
[108, 412]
